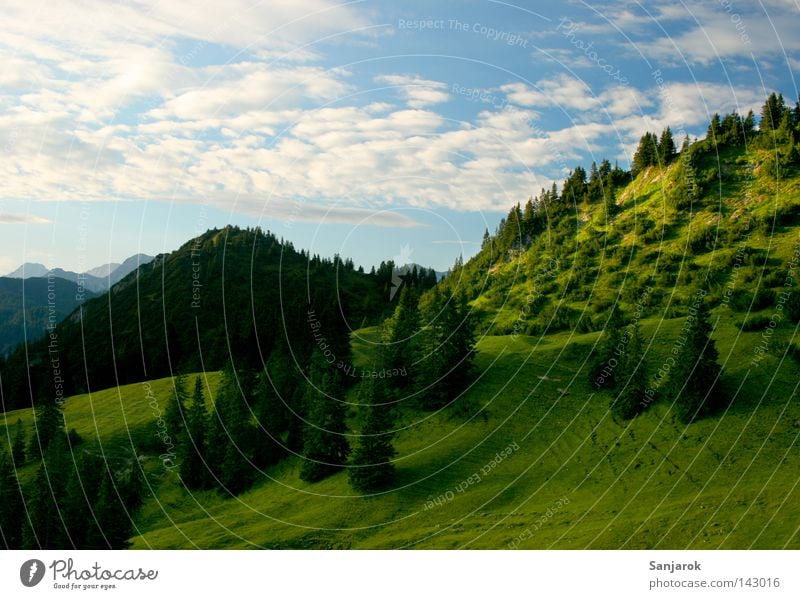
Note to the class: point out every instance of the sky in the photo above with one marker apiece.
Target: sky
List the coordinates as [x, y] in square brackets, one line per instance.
[376, 130]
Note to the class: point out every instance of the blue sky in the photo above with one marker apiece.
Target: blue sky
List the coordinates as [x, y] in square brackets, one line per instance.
[376, 130]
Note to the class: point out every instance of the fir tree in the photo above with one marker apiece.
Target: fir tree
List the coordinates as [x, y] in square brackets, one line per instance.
[12, 508]
[772, 113]
[272, 421]
[46, 527]
[604, 371]
[325, 445]
[666, 147]
[192, 452]
[372, 469]
[632, 375]
[694, 383]
[230, 436]
[18, 454]
[400, 338]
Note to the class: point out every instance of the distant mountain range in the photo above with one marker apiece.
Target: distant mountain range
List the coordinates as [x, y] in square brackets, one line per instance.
[96, 280]
[46, 303]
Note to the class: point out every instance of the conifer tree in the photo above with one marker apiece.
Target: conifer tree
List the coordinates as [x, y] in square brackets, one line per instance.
[694, 382]
[46, 527]
[271, 418]
[12, 508]
[632, 376]
[230, 436]
[18, 453]
[400, 338]
[175, 411]
[325, 445]
[372, 469]
[605, 369]
[192, 452]
[666, 147]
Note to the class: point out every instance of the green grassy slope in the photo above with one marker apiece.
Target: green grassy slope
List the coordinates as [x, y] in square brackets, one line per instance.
[578, 478]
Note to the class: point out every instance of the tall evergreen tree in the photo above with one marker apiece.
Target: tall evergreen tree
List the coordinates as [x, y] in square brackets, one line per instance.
[18, 453]
[48, 423]
[605, 368]
[449, 342]
[175, 411]
[325, 445]
[772, 113]
[193, 451]
[666, 147]
[230, 436]
[372, 469]
[83, 491]
[271, 420]
[632, 375]
[46, 527]
[12, 508]
[694, 383]
[400, 338]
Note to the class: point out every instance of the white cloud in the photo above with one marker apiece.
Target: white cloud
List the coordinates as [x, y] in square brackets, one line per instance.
[417, 92]
[16, 218]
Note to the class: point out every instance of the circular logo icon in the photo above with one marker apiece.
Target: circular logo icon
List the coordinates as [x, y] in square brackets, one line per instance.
[31, 572]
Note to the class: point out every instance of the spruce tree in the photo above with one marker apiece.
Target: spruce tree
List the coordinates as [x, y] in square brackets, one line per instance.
[605, 368]
[632, 376]
[46, 528]
[192, 451]
[666, 147]
[175, 411]
[48, 423]
[271, 421]
[326, 446]
[401, 338]
[18, 453]
[230, 436]
[12, 507]
[449, 349]
[694, 383]
[372, 469]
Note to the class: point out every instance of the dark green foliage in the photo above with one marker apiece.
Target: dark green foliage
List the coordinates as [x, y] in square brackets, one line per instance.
[694, 383]
[230, 437]
[772, 113]
[192, 452]
[371, 468]
[744, 300]
[605, 368]
[666, 147]
[11, 505]
[160, 319]
[18, 453]
[175, 412]
[448, 350]
[272, 417]
[401, 338]
[326, 447]
[46, 528]
[646, 153]
[754, 324]
[632, 377]
[48, 424]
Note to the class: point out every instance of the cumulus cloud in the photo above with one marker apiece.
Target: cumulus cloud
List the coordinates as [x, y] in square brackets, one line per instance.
[417, 92]
[16, 218]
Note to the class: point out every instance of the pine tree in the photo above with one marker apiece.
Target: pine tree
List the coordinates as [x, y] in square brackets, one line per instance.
[694, 383]
[400, 338]
[372, 469]
[18, 454]
[666, 147]
[46, 527]
[230, 436]
[646, 153]
[326, 447]
[114, 524]
[772, 113]
[12, 508]
[192, 452]
[449, 342]
[272, 421]
[83, 491]
[604, 370]
[48, 423]
[632, 375]
[175, 412]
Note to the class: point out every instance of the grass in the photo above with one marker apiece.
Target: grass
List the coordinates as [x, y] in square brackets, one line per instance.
[577, 480]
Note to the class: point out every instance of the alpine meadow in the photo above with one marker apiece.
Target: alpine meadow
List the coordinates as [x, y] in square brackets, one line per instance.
[313, 275]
